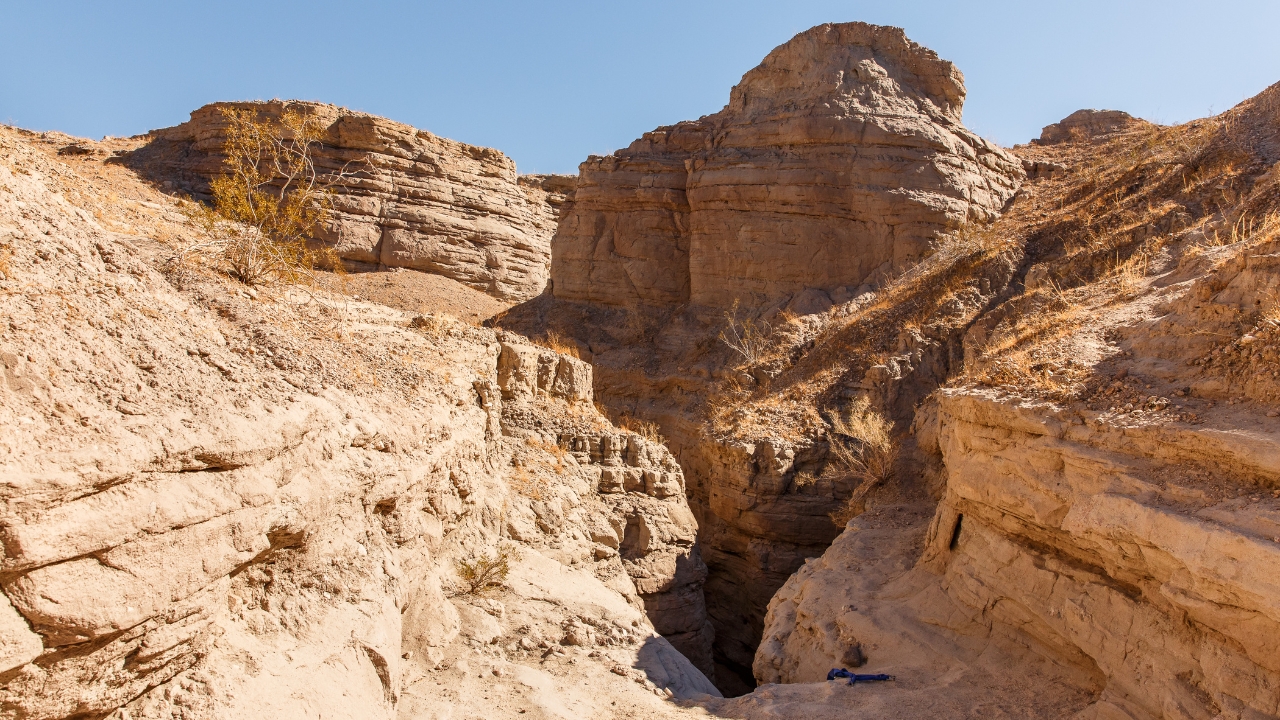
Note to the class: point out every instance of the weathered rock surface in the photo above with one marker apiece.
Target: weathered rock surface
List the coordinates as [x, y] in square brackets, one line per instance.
[838, 161]
[199, 520]
[1098, 550]
[1087, 125]
[413, 200]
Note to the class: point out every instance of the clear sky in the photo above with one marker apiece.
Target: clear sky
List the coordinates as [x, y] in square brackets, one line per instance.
[551, 82]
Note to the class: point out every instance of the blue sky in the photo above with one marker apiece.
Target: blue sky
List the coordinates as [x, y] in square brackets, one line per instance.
[551, 82]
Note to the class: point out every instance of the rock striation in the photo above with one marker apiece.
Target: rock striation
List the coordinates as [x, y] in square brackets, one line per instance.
[412, 199]
[837, 162]
[208, 513]
[1120, 560]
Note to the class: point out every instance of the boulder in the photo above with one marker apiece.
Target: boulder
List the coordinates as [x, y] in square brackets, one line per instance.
[1087, 125]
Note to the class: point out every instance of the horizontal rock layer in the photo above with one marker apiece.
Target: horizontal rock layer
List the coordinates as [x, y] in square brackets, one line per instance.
[838, 161]
[411, 199]
[202, 515]
[1099, 549]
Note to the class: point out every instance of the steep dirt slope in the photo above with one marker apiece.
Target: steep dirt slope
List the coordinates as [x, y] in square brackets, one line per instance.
[221, 502]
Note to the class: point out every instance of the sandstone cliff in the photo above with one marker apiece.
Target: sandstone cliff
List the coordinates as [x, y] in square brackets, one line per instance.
[413, 200]
[224, 503]
[1101, 267]
[837, 162]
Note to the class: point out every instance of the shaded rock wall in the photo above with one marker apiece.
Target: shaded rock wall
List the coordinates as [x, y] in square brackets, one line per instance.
[414, 200]
[836, 163]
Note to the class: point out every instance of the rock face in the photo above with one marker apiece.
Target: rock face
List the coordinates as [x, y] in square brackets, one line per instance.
[650, 525]
[838, 161]
[414, 200]
[1106, 551]
[1088, 124]
[207, 513]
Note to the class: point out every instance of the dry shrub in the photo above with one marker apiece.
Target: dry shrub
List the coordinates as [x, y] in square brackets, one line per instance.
[1130, 274]
[863, 445]
[433, 325]
[553, 340]
[557, 452]
[645, 429]
[268, 202]
[484, 573]
[748, 338]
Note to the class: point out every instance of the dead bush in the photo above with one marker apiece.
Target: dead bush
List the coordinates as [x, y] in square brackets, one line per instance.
[484, 573]
[862, 444]
[558, 343]
[645, 429]
[268, 202]
[747, 338]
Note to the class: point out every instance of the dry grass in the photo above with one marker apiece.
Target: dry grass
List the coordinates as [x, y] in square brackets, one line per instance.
[862, 445]
[645, 429]
[553, 340]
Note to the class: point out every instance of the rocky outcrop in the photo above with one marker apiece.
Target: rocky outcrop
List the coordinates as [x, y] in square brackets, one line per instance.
[837, 162]
[1137, 561]
[1088, 125]
[649, 525]
[411, 199]
[209, 513]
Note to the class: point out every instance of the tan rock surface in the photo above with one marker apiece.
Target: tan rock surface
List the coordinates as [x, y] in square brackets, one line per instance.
[413, 199]
[837, 162]
[222, 505]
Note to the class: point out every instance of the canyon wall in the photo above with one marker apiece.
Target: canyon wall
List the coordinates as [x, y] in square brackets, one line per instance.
[1133, 565]
[408, 199]
[838, 161]
[837, 164]
[230, 503]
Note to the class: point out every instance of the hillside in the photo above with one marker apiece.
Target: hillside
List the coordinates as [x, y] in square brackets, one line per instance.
[821, 380]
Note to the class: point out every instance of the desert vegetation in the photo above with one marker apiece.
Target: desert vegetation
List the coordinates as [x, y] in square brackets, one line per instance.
[269, 201]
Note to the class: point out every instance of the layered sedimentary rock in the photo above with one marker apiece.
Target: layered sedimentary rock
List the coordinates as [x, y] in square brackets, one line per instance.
[209, 514]
[642, 484]
[838, 161]
[409, 199]
[1137, 565]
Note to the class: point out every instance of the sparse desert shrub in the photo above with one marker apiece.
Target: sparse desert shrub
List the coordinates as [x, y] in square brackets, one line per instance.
[485, 572]
[747, 338]
[434, 325]
[1130, 273]
[555, 341]
[645, 429]
[804, 479]
[269, 200]
[863, 445]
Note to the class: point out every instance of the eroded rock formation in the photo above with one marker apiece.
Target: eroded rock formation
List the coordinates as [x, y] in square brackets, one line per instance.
[211, 511]
[837, 162]
[413, 199]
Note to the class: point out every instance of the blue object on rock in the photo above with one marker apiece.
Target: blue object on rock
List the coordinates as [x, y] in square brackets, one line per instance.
[842, 673]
